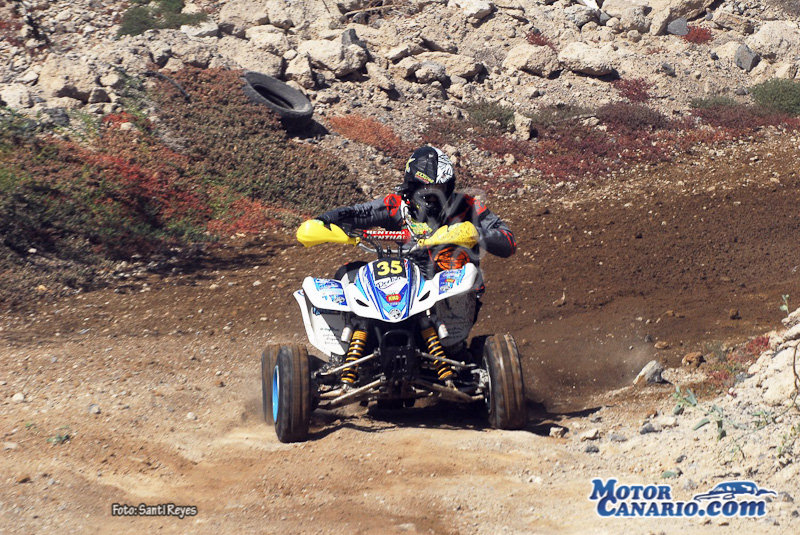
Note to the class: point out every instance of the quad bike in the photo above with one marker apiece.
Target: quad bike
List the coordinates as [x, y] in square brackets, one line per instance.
[383, 329]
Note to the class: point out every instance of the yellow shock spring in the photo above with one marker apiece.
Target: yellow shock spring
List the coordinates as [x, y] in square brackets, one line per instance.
[443, 369]
[356, 350]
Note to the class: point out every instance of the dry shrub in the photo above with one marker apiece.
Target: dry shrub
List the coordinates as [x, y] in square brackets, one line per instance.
[757, 345]
[126, 192]
[697, 35]
[9, 32]
[371, 132]
[741, 119]
[447, 131]
[537, 38]
[502, 145]
[232, 142]
[634, 89]
[628, 117]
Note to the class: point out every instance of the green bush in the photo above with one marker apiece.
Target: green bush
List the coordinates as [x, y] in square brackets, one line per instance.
[482, 113]
[548, 116]
[778, 95]
[705, 103]
[157, 15]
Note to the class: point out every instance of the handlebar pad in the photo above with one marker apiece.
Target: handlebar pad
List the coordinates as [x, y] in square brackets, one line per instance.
[314, 232]
[464, 234]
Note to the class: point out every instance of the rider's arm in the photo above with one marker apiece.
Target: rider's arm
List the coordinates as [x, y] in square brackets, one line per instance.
[383, 212]
[495, 236]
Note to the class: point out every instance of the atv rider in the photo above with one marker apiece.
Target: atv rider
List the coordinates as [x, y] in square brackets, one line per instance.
[428, 196]
[426, 201]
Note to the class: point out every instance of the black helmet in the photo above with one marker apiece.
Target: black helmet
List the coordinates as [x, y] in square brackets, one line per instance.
[428, 184]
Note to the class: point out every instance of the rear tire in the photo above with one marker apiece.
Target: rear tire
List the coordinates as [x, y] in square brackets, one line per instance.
[291, 393]
[506, 403]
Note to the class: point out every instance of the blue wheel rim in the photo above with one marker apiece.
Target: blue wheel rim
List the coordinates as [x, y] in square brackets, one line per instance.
[275, 393]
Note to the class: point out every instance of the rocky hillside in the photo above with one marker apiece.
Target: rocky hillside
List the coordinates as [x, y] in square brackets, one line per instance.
[358, 53]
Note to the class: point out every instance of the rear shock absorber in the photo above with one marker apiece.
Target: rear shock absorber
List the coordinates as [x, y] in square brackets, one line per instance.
[358, 342]
[443, 369]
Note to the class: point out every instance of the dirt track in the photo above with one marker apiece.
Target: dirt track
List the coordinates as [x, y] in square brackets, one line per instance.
[697, 239]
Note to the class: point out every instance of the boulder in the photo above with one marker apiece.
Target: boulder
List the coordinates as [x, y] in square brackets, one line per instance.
[299, 70]
[242, 54]
[475, 10]
[380, 77]
[745, 58]
[651, 373]
[63, 77]
[587, 59]
[351, 5]
[268, 38]
[236, 16]
[660, 20]
[615, 8]
[634, 18]
[779, 388]
[98, 95]
[689, 9]
[438, 43]
[679, 27]
[728, 21]
[278, 13]
[350, 37]
[727, 52]
[399, 52]
[693, 359]
[16, 96]
[792, 319]
[406, 67]
[580, 15]
[431, 71]
[456, 64]
[775, 39]
[112, 79]
[190, 51]
[334, 56]
[62, 103]
[523, 126]
[533, 59]
[203, 29]
[786, 70]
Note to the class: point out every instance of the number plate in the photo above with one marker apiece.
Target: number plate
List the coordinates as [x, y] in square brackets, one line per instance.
[389, 267]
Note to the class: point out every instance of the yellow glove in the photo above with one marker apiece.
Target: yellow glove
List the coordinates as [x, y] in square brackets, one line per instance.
[464, 234]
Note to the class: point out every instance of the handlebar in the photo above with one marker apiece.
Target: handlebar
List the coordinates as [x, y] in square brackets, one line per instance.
[314, 232]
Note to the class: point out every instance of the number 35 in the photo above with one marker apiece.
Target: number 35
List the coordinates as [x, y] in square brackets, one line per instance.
[385, 267]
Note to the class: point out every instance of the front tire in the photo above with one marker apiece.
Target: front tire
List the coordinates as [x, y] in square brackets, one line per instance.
[506, 397]
[291, 393]
[268, 359]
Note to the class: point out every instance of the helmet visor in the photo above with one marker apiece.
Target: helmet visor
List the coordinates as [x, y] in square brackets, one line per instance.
[429, 202]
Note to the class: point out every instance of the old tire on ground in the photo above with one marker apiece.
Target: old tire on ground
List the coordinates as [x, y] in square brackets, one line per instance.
[292, 106]
[506, 403]
[268, 358]
[291, 393]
